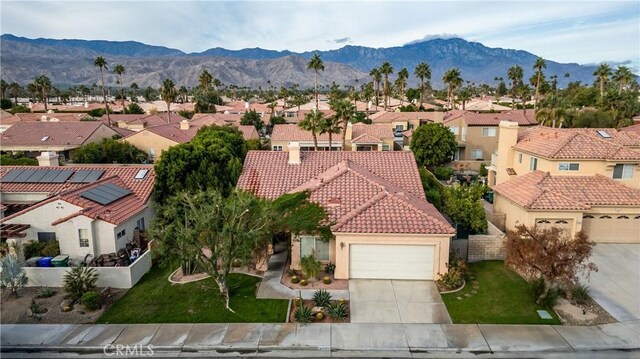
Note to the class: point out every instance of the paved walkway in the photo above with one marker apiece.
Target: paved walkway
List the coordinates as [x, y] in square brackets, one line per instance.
[271, 288]
[396, 301]
[325, 340]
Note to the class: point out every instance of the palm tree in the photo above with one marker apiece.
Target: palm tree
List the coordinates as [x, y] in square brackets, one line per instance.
[182, 94]
[119, 70]
[344, 112]
[401, 82]
[550, 117]
[386, 69]
[376, 78]
[205, 80]
[464, 95]
[330, 125]
[623, 76]
[538, 66]
[514, 74]
[43, 87]
[602, 73]
[316, 65]
[15, 90]
[422, 71]
[101, 63]
[453, 79]
[168, 94]
[311, 122]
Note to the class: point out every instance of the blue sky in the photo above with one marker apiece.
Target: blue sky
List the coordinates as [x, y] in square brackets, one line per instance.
[563, 31]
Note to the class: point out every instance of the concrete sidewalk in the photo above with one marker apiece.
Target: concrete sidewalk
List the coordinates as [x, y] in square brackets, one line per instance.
[324, 340]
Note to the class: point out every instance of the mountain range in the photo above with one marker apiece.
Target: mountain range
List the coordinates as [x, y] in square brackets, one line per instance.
[70, 62]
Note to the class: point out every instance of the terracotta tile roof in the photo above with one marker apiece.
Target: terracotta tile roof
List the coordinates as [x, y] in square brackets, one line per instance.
[569, 144]
[115, 212]
[43, 134]
[540, 190]
[123, 132]
[242, 106]
[4, 114]
[379, 132]
[623, 138]
[493, 119]
[483, 105]
[363, 192]
[302, 113]
[232, 118]
[633, 128]
[388, 117]
[289, 132]
[173, 132]
[144, 119]
[248, 132]
[42, 117]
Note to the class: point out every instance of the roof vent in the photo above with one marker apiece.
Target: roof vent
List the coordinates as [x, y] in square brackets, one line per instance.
[603, 134]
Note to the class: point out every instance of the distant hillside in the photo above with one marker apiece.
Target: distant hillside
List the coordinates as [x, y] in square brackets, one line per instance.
[23, 58]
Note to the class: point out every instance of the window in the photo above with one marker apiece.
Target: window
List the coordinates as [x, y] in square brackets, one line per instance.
[489, 131]
[464, 134]
[46, 236]
[364, 148]
[519, 157]
[454, 130]
[310, 245]
[533, 165]
[568, 166]
[410, 126]
[399, 128]
[152, 153]
[121, 234]
[83, 236]
[476, 154]
[140, 224]
[277, 148]
[621, 171]
[385, 147]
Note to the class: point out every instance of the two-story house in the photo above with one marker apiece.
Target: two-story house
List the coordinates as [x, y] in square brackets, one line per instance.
[358, 137]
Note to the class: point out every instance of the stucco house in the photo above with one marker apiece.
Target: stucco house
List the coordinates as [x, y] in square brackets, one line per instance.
[402, 121]
[383, 226]
[359, 137]
[90, 209]
[138, 122]
[7, 120]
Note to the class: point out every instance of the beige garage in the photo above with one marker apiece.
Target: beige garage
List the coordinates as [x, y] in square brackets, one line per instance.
[547, 223]
[612, 228]
[383, 261]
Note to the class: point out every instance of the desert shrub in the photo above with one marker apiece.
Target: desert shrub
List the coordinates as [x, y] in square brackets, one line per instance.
[537, 287]
[321, 298]
[45, 292]
[51, 249]
[91, 300]
[79, 280]
[326, 280]
[12, 274]
[34, 249]
[330, 268]
[483, 170]
[17, 160]
[580, 293]
[443, 173]
[454, 278]
[310, 266]
[303, 314]
[337, 311]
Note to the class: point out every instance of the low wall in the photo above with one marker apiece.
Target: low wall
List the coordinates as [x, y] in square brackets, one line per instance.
[497, 219]
[115, 277]
[487, 246]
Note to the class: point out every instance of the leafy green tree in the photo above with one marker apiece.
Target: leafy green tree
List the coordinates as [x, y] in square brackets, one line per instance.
[386, 69]
[108, 151]
[423, 71]
[149, 94]
[206, 100]
[134, 109]
[119, 71]
[101, 63]
[433, 144]
[252, 118]
[537, 67]
[602, 74]
[502, 88]
[453, 80]
[211, 160]
[312, 122]
[168, 94]
[315, 64]
[463, 204]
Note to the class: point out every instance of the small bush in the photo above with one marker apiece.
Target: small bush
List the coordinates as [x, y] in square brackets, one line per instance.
[303, 314]
[51, 249]
[326, 280]
[45, 292]
[321, 298]
[17, 160]
[91, 300]
[483, 170]
[310, 266]
[443, 173]
[330, 268]
[36, 309]
[580, 293]
[34, 249]
[80, 280]
[454, 278]
[295, 279]
[337, 310]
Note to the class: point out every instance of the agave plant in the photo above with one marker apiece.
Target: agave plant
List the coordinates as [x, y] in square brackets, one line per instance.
[321, 298]
[337, 311]
[12, 275]
[303, 314]
[80, 280]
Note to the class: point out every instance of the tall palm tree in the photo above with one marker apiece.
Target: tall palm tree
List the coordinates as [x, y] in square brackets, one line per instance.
[344, 112]
[119, 70]
[602, 73]
[464, 95]
[386, 69]
[623, 76]
[316, 65]
[401, 82]
[101, 63]
[550, 117]
[168, 94]
[538, 66]
[376, 77]
[422, 71]
[452, 79]
[205, 80]
[330, 125]
[311, 122]
[15, 90]
[43, 87]
[515, 74]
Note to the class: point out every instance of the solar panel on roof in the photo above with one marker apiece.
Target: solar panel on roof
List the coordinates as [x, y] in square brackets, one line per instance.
[79, 176]
[24, 176]
[11, 176]
[37, 176]
[62, 177]
[49, 176]
[105, 194]
[93, 176]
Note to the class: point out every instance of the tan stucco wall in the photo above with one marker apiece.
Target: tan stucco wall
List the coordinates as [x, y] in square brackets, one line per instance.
[145, 141]
[101, 133]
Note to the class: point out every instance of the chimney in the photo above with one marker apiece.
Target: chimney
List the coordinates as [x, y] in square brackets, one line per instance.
[48, 159]
[349, 134]
[294, 153]
[507, 138]
[184, 125]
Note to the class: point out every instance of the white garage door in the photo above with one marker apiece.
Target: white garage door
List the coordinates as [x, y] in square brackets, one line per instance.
[376, 261]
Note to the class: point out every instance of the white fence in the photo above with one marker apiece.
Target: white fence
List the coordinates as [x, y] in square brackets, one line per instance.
[115, 277]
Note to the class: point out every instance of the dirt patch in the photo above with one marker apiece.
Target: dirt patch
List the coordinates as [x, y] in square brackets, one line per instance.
[336, 284]
[590, 313]
[327, 319]
[14, 310]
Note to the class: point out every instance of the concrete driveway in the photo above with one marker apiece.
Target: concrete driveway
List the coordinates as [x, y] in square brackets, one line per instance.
[616, 285]
[396, 301]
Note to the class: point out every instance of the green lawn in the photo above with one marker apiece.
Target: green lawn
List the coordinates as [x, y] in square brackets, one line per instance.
[502, 297]
[155, 300]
